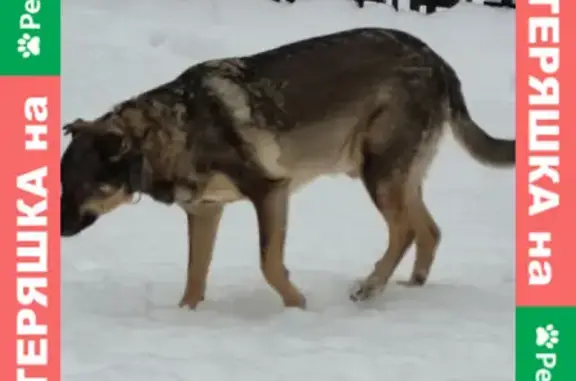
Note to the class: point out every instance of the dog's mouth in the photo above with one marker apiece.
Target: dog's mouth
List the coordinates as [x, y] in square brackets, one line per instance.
[85, 222]
[72, 223]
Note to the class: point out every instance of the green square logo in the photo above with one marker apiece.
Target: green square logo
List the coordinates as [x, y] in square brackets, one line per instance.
[545, 344]
[30, 37]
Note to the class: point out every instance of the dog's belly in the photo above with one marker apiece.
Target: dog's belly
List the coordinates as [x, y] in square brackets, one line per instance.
[221, 189]
[325, 149]
[303, 174]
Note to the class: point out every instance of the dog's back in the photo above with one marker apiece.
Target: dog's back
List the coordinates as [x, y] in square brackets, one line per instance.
[339, 96]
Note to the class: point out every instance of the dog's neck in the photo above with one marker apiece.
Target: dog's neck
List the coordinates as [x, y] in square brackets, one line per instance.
[177, 149]
[143, 179]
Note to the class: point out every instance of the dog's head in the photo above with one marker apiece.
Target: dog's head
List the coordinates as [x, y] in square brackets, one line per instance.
[97, 171]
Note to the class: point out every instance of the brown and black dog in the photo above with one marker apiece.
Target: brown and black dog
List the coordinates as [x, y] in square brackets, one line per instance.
[370, 103]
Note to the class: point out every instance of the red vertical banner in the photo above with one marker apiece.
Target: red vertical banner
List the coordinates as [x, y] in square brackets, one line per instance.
[30, 229]
[546, 178]
[566, 222]
[545, 183]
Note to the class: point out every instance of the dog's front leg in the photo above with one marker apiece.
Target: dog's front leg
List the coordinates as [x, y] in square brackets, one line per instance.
[271, 206]
[202, 229]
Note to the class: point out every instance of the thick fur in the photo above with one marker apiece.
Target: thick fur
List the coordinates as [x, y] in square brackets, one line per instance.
[370, 103]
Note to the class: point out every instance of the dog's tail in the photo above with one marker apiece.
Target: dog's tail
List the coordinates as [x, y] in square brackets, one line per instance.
[486, 149]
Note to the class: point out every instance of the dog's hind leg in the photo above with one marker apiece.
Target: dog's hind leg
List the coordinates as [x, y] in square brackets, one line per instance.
[271, 204]
[390, 149]
[427, 236]
[202, 230]
[388, 194]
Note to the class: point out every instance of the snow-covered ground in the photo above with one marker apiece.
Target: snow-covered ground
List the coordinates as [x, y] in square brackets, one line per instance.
[122, 279]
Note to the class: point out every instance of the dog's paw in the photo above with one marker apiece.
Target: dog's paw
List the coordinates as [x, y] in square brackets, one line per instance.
[297, 301]
[416, 280]
[366, 290]
[190, 301]
[409, 283]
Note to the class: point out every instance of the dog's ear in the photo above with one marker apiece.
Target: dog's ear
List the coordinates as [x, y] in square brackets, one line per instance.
[110, 142]
[75, 127]
[100, 126]
[112, 146]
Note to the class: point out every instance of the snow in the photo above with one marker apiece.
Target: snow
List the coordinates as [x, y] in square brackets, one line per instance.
[123, 278]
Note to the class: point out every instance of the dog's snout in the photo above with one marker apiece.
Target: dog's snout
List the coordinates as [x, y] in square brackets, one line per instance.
[70, 228]
[72, 221]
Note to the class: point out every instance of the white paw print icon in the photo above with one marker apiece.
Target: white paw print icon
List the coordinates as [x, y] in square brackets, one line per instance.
[547, 336]
[28, 45]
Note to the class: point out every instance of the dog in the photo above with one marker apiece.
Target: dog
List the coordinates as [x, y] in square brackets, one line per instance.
[369, 103]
